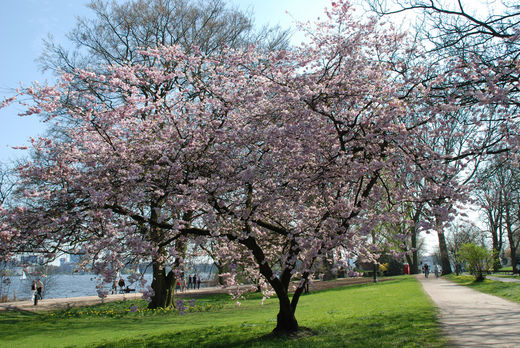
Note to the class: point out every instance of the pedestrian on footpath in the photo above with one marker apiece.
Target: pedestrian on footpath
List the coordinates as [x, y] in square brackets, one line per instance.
[39, 289]
[190, 281]
[34, 294]
[198, 282]
[114, 287]
[426, 270]
[436, 271]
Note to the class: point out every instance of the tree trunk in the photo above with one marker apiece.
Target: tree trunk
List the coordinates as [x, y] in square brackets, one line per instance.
[327, 273]
[445, 258]
[285, 320]
[414, 265]
[513, 260]
[220, 269]
[163, 286]
[495, 220]
[496, 235]
[511, 237]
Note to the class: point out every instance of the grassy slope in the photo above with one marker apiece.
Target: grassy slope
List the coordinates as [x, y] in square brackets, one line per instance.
[509, 291]
[391, 314]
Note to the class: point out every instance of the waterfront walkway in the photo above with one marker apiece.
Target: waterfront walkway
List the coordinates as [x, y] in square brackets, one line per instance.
[63, 303]
[59, 303]
[473, 319]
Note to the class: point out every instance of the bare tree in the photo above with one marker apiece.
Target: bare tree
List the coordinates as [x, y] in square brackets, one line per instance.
[119, 30]
[500, 199]
[7, 184]
[491, 199]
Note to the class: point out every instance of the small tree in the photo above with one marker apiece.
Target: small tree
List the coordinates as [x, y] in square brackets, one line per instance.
[477, 258]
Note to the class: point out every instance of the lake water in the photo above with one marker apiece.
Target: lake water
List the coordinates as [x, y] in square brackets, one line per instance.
[65, 285]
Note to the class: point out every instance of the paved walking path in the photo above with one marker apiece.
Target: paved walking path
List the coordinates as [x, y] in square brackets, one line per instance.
[505, 280]
[471, 318]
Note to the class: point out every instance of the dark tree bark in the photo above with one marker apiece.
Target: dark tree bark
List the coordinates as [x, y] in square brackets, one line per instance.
[220, 269]
[494, 212]
[511, 236]
[164, 287]
[375, 272]
[445, 259]
[414, 265]
[286, 322]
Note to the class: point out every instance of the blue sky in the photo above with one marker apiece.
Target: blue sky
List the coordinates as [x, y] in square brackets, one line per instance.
[25, 23]
[23, 26]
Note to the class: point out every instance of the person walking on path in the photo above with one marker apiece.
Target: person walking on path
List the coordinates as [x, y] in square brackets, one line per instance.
[183, 284]
[473, 319]
[34, 294]
[190, 280]
[39, 289]
[198, 282]
[426, 270]
[114, 287]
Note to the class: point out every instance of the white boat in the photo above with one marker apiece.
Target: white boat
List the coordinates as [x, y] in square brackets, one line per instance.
[24, 276]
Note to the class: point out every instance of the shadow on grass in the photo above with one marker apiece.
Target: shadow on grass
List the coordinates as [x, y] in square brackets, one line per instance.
[14, 315]
[378, 330]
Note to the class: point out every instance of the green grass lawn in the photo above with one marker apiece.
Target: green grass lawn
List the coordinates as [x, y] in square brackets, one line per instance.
[395, 313]
[509, 291]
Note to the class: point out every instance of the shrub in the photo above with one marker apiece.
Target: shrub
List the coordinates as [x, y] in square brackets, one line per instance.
[477, 258]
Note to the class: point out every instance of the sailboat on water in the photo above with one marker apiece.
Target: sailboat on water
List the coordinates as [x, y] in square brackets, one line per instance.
[24, 276]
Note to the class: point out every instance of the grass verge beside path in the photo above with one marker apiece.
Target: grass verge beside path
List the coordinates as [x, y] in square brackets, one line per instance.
[395, 313]
[509, 291]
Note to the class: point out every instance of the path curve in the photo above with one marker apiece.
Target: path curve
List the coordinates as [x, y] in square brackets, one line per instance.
[505, 280]
[473, 319]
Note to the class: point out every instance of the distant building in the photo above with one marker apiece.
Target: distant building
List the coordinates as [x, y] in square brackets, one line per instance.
[31, 260]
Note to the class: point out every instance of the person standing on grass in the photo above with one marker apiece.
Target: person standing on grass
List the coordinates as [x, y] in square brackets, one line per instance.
[114, 287]
[183, 284]
[39, 288]
[121, 284]
[34, 294]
